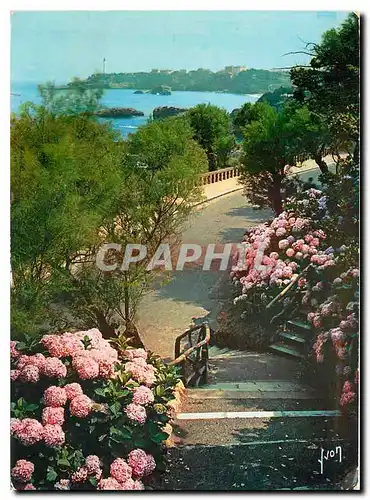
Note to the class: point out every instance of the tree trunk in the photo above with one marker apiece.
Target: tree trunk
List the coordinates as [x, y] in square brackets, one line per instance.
[106, 330]
[212, 161]
[131, 332]
[275, 194]
[321, 163]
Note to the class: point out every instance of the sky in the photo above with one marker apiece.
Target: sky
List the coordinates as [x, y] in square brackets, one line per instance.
[60, 45]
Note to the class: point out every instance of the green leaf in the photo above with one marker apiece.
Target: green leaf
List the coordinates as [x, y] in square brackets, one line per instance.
[51, 474]
[159, 437]
[100, 391]
[93, 481]
[31, 407]
[64, 461]
[115, 409]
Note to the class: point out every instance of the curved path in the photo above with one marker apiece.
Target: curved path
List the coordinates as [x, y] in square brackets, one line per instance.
[165, 313]
[168, 311]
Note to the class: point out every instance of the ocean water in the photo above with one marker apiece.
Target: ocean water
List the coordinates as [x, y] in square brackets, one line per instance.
[142, 102]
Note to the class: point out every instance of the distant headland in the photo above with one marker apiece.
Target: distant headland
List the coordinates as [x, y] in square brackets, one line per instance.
[232, 79]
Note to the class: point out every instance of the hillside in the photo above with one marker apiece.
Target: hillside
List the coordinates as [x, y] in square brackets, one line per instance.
[251, 81]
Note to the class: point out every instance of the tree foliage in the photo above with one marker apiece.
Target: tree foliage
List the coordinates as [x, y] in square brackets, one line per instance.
[72, 101]
[76, 185]
[330, 85]
[212, 130]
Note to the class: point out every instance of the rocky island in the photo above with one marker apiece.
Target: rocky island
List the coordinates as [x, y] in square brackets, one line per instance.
[161, 90]
[166, 111]
[119, 113]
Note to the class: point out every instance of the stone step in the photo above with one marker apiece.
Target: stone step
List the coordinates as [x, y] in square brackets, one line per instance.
[254, 366]
[263, 466]
[235, 402]
[253, 386]
[259, 427]
[286, 350]
[216, 352]
[299, 324]
[295, 337]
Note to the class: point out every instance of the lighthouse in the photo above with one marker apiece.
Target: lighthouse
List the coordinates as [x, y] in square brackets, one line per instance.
[104, 61]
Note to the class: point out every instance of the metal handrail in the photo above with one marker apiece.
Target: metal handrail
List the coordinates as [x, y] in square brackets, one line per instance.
[288, 287]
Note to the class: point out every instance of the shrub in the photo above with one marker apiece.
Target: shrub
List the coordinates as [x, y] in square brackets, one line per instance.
[86, 415]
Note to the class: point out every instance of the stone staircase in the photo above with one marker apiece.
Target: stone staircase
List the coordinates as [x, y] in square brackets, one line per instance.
[294, 339]
[256, 427]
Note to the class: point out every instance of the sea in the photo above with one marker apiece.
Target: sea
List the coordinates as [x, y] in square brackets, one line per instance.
[125, 98]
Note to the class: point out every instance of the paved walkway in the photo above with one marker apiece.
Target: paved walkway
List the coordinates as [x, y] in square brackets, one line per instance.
[165, 313]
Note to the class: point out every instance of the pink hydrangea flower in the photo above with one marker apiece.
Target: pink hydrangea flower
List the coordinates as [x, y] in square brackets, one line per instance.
[29, 431]
[63, 484]
[317, 323]
[13, 349]
[38, 360]
[29, 373]
[150, 464]
[15, 425]
[22, 471]
[131, 354]
[54, 367]
[55, 396]
[30, 487]
[274, 255]
[54, 345]
[109, 484]
[136, 412]
[141, 371]
[283, 244]
[53, 435]
[23, 360]
[137, 461]
[290, 252]
[347, 387]
[92, 464]
[80, 476]
[88, 369]
[347, 398]
[51, 415]
[106, 369]
[142, 396]
[80, 406]
[138, 485]
[14, 374]
[281, 231]
[73, 390]
[120, 470]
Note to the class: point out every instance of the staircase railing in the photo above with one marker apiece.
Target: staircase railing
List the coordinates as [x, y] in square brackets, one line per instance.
[191, 354]
[284, 292]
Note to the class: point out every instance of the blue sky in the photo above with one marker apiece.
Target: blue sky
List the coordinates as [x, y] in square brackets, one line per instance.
[59, 45]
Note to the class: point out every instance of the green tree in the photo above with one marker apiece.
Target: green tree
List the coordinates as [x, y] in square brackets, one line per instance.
[248, 113]
[309, 134]
[74, 100]
[156, 195]
[330, 85]
[270, 145]
[77, 185]
[64, 175]
[212, 130]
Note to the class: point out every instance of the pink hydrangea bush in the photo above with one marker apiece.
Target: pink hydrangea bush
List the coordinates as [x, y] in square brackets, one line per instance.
[320, 228]
[80, 401]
